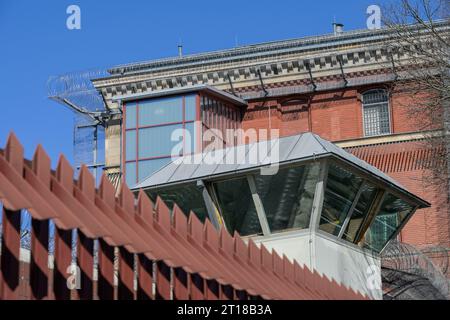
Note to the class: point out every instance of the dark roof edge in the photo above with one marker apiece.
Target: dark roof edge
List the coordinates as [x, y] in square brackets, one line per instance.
[174, 91]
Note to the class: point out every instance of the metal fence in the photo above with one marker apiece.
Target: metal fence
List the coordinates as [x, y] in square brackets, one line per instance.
[128, 248]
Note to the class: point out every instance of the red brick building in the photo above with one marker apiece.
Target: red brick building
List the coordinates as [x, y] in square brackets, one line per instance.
[337, 116]
[340, 86]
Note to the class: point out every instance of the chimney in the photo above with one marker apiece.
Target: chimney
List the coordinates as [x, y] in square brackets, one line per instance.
[338, 28]
[180, 50]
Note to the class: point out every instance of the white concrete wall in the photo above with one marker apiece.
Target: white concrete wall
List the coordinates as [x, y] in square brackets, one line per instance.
[345, 263]
[348, 265]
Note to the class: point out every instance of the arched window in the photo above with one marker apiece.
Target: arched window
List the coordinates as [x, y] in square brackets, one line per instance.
[376, 118]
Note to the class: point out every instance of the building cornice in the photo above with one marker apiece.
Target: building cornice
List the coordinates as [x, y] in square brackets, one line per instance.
[258, 51]
[362, 53]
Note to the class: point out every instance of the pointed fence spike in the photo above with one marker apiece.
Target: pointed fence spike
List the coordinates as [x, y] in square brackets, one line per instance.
[277, 264]
[317, 281]
[163, 214]
[288, 268]
[86, 183]
[107, 191]
[14, 153]
[226, 241]
[255, 253]
[299, 274]
[240, 248]
[64, 173]
[210, 235]
[126, 199]
[309, 279]
[266, 258]
[195, 228]
[145, 207]
[42, 165]
[180, 221]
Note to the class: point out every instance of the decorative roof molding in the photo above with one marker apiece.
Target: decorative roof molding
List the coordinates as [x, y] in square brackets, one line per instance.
[283, 61]
[260, 51]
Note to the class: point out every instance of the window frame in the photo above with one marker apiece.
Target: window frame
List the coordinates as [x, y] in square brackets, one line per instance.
[382, 189]
[363, 106]
[137, 128]
[317, 200]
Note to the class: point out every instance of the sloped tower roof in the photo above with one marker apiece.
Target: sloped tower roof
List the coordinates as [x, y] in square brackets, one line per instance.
[291, 149]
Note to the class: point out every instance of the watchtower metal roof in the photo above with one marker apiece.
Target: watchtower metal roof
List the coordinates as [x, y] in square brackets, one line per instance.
[296, 148]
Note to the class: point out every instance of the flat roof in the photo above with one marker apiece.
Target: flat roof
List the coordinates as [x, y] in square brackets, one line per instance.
[292, 149]
[182, 90]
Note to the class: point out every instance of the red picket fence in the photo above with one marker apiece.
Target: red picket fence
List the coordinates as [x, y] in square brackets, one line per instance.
[158, 255]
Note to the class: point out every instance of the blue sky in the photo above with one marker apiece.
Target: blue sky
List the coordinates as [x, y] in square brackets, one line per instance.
[35, 44]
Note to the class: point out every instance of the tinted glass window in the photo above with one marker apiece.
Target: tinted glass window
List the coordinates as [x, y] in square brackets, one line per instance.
[191, 110]
[237, 208]
[361, 211]
[147, 167]
[150, 124]
[159, 111]
[188, 198]
[156, 142]
[130, 115]
[340, 192]
[393, 212]
[131, 174]
[288, 196]
[130, 144]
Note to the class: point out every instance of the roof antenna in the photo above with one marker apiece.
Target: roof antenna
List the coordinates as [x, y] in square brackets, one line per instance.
[338, 28]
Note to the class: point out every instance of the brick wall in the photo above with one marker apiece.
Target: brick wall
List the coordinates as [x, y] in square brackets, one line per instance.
[428, 226]
[333, 115]
[338, 116]
[409, 163]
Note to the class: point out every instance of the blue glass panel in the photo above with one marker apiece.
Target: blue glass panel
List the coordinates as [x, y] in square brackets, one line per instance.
[155, 142]
[147, 167]
[130, 115]
[190, 138]
[191, 107]
[130, 145]
[130, 173]
[158, 111]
